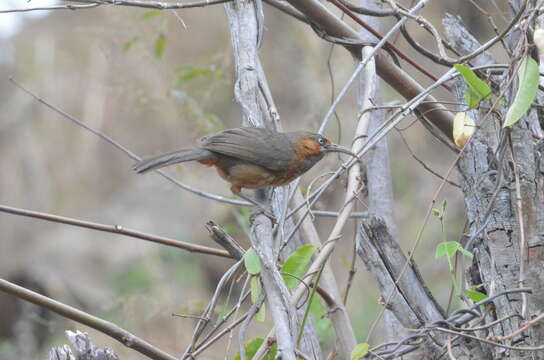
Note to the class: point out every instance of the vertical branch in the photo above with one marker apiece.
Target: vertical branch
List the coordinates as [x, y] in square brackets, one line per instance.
[252, 93]
[380, 188]
[277, 294]
[338, 313]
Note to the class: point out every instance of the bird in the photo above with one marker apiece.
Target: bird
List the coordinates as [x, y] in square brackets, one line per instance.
[251, 157]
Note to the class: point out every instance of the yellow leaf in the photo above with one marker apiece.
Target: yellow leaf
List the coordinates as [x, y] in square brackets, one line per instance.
[538, 36]
[463, 128]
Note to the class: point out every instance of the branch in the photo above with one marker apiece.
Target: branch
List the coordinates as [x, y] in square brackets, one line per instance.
[126, 151]
[388, 44]
[221, 237]
[124, 337]
[325, 20]
[116, 229]
[284, 7]
[252, 93]
[92, 4]
[403, 290]
[155, 4]
[379, 180]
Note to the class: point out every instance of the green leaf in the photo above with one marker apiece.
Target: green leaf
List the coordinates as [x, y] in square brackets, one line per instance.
[475, 296]
[256, 289]
[321, 322]
[478, 87]
[444, 205]
[261, 315]
[359, 351]
[296, 265]
[436, 212]
[190, 74]
[231, 229]
[150, 14]
[128, 45]
[528, 76]
[472, 99]
[222, 312]
[252, 262]
[254, 345]
[449, 248]
[465, 252]
[160, 45]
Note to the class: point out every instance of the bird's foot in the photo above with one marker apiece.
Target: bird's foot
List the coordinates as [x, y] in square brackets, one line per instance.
[258, 208]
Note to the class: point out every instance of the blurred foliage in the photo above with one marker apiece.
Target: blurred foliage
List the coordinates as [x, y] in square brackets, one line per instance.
[135, 279]
[322, 323]
[254, 345]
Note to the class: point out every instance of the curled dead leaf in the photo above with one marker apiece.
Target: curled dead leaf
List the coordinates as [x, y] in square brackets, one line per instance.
[463, 128]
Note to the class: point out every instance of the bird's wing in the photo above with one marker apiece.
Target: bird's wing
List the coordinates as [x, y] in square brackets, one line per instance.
[269, 149]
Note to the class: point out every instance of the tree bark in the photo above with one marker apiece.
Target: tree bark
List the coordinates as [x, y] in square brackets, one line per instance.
[488, 179]
[253, 95]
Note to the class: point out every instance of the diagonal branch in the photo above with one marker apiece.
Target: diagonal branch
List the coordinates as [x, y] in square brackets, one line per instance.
[116, 229]
[126, 151]
[91, 5]
[161, 5]
[124, 337]
[325, 20]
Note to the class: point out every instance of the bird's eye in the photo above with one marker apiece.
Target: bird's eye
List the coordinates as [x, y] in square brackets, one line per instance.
[321, 141]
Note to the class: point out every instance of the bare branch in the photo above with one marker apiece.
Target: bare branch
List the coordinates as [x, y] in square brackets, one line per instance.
[116, 229]
[129, 153]
[221, 237]
[287, 9]
[393, 75]
[161, 5]
[124, 337]
[412, 303]
[58, 7]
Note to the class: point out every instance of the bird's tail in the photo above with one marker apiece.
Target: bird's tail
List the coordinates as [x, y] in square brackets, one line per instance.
[159, 161]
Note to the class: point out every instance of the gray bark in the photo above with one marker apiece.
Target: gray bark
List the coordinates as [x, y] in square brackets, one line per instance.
[81, 348]
[403, 287]
[379, 183]
[489, 187]
[253, 95]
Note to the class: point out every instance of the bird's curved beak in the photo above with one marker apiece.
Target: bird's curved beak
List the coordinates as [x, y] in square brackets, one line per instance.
[339, 148]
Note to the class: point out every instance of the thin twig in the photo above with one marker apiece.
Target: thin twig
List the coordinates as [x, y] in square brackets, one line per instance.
[422, 163]
[518, 348]
[521, 222]
[156, 4]
[362, 64]
[129, 153]
[116, 229]
[388, 44]
[522, 329]
[57, 7]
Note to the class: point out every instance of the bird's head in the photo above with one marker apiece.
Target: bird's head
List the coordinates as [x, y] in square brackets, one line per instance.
[311, 145]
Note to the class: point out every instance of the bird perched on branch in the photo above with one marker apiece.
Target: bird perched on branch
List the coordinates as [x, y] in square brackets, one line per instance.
[252, 158]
